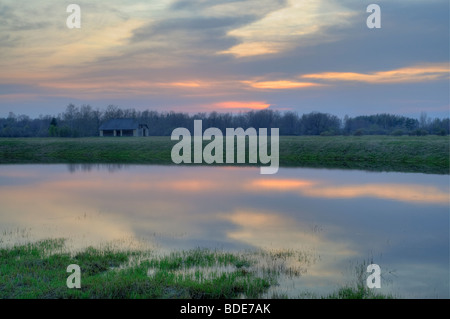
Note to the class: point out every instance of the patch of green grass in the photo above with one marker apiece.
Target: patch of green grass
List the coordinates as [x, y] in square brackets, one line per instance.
[357, 292]
[199, 258]
[428, 154]
[358, 289]
[38, 270]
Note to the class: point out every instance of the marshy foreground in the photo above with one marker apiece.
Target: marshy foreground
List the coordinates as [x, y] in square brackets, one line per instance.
[39, 270]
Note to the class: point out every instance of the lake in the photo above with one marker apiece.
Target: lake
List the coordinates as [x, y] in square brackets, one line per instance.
[338, 218]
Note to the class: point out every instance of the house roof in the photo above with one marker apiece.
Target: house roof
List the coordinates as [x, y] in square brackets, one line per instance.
[120, 124]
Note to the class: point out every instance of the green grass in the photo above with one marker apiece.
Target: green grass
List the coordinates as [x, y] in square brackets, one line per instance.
[427, 154]
[358, 288]
[38, 271]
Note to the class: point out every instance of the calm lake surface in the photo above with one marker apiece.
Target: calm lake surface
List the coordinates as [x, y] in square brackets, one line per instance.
[339, 218]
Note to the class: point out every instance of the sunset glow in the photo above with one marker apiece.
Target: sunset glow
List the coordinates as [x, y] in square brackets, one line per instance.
[302, 56]
[280, 85]
[251, 105]
[403, 75]
[320, 189]
[281, 184]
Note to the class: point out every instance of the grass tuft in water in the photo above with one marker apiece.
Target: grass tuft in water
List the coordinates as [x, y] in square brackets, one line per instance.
[38, 270]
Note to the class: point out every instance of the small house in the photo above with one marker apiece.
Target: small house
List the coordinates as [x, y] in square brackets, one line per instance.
[123, 127]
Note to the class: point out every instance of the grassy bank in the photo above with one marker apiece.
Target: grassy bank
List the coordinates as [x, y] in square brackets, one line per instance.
[428, 154]
[38, 271]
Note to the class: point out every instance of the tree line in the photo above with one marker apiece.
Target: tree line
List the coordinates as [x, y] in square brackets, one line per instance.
[84, 121]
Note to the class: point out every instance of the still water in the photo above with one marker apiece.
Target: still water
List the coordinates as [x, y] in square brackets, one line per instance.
[340, 218]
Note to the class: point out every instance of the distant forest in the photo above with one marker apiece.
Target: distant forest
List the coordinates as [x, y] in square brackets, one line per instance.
[85, 121]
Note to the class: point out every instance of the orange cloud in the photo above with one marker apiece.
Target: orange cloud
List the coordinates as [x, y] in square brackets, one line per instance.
[280, 85]
[120, 86]
[252, 49]
[255, 220]
[404, 193]
[271, 229]
[281, 184]
[400, 192]
[254, 105]
[188, 84]
[190, 185]
[403, 75]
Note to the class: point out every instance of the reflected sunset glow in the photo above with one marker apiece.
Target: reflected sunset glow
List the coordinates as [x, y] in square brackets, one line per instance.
[407, 193]
[234, 208]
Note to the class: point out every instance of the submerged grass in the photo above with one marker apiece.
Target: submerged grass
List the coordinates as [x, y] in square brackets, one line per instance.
[358, 289]
[39, 271]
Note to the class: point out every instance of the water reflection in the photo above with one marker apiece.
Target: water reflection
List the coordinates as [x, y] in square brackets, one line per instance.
[89, 167]
[399, 219]
[400, 192]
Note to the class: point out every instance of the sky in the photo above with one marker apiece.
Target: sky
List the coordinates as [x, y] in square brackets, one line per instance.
[226, 56]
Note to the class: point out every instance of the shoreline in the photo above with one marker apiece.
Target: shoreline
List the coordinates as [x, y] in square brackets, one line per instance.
[424, 154]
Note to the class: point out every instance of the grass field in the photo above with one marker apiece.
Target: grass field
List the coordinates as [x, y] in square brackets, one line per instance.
[428, 154]
[39, 271]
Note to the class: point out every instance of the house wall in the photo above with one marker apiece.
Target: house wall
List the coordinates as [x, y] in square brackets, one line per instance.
[135, 132]
[127, 132]
[143, 131]
[107, 133]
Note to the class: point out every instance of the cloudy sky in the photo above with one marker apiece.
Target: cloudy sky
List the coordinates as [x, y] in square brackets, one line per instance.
[226, 55]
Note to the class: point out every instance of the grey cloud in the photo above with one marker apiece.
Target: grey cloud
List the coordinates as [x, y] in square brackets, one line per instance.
[11, 21]
[18, 88]
[211, 26]
[197, 5]
[197, 37]
[411, 33]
